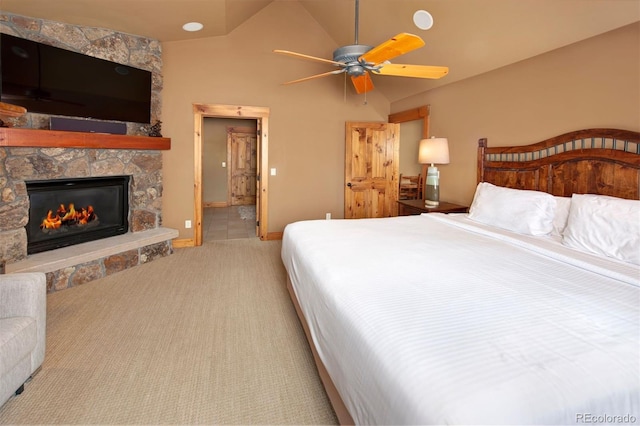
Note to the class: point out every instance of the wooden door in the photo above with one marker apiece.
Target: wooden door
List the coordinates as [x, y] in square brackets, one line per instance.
[259, 177]
[242, 159]
[371, 170]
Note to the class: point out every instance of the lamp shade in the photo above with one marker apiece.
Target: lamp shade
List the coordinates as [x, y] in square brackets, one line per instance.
[434, 151]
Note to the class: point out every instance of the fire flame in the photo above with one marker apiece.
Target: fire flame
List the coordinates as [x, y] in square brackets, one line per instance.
[70, 216]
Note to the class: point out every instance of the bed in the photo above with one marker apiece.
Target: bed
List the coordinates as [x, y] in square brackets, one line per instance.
[526, 310]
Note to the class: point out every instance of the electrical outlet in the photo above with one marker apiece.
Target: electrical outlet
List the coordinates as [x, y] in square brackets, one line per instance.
[328, 216]
[187, 224]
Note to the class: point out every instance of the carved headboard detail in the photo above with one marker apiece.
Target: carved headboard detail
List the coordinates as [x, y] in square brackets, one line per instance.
[589, 161]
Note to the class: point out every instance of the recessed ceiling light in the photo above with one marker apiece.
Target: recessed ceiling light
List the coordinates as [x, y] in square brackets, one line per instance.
[192, 26]
[423, 19]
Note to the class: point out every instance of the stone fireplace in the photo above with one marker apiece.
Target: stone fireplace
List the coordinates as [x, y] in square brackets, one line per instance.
[29, 152]
[28, 156]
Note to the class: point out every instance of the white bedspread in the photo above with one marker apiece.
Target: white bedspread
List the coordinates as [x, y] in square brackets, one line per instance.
[434, 320]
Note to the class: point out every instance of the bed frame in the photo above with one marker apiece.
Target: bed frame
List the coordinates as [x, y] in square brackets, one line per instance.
[344, 418]
[590, 161]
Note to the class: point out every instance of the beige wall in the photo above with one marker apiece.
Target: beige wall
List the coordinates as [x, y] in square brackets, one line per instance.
[307, 120]
[410, 135]
[593, 83]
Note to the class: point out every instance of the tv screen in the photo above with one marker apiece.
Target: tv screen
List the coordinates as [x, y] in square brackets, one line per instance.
[50, 80]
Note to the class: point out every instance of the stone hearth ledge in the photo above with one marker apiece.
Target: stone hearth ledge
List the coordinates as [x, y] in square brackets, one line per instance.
[54, 260]
[65, 257]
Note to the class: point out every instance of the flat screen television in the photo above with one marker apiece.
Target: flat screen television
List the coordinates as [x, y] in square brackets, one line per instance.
[55, 81]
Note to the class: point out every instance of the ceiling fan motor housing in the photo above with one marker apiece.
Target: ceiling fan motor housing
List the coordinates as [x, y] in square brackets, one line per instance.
[349, 55]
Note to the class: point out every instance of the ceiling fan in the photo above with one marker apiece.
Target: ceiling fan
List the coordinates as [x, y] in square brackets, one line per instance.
[359, 60]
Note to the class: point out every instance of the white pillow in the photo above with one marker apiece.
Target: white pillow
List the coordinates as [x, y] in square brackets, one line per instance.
[517, 210]
[604, 225]
[561, 216]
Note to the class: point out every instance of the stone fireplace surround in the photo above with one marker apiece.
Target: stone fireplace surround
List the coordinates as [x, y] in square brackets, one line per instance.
[27, 154]
[45, 154]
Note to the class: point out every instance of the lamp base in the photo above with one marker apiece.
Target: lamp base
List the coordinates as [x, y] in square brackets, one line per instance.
[432, 188]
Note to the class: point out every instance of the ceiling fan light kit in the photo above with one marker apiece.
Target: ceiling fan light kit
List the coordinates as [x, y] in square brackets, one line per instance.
[359, 60]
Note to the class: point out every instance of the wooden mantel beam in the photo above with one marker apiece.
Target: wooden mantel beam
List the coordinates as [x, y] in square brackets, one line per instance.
[20, 137]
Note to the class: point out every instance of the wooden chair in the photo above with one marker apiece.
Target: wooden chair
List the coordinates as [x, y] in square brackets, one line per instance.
[410, 188]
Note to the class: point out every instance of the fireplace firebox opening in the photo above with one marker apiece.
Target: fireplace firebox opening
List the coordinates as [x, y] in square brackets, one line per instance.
[64, 212]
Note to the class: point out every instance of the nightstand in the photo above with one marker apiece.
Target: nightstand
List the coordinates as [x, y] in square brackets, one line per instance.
[413, 207]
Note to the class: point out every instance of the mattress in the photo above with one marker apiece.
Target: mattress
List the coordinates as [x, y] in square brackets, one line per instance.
[435, 319]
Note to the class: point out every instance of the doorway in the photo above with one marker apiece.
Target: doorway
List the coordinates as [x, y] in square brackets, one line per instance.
[261, 116]
[229, 166]
[421, 115]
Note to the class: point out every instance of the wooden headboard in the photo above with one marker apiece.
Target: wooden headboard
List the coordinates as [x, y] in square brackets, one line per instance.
[590, 161]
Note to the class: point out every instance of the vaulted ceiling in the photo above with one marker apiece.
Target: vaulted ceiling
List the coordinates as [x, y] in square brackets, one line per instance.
[469, 36]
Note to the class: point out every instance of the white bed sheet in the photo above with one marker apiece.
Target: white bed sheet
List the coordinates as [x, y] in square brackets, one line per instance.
[434, 319]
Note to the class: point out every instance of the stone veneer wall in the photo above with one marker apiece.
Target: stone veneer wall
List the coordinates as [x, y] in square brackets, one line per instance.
[145, 166]
[89, 271]
[20, 164]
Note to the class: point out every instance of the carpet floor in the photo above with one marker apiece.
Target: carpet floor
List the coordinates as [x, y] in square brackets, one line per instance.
[207, 335]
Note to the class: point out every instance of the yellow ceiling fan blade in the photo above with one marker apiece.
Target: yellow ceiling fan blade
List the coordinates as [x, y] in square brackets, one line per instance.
[417, 71]
[395, 46]
[316, 76]
[303, 56]
[362, 83]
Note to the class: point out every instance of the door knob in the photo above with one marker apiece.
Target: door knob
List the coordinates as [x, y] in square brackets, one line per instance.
[349, 185]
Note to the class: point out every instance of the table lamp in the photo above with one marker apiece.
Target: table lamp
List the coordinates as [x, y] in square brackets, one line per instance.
[433, 151]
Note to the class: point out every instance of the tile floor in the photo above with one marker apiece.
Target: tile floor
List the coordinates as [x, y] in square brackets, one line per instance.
[225, 223]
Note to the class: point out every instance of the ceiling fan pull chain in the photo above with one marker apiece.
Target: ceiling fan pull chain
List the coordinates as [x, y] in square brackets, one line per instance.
[365, 90]
[345, 89]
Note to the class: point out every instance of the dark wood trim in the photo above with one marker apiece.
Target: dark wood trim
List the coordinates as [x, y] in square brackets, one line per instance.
[618, 134]
[409, 115]
[578, 170]
[482, 145]
[20, 137]
[416, 207]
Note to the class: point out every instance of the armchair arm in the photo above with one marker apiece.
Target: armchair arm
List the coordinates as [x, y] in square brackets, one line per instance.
[25, 295]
